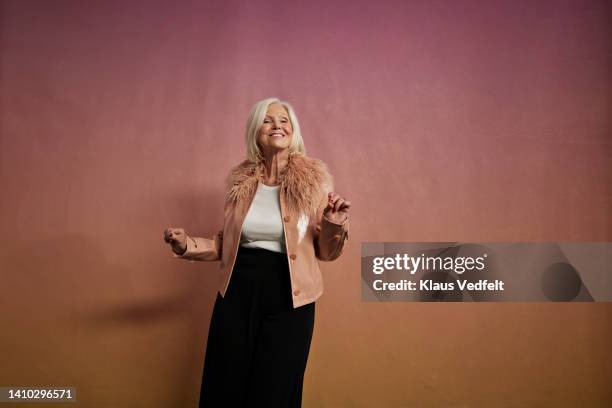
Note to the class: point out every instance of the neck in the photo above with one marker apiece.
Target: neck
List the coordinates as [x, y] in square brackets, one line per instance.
[275, 162]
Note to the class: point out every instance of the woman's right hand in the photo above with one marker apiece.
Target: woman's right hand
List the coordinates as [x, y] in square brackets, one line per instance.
[177, 239]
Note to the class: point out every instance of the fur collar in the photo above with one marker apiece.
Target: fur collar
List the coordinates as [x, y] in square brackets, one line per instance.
[305, 182]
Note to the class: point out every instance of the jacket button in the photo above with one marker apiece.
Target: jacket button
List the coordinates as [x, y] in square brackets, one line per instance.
[296, 292]
[287, 218]
[293, 256]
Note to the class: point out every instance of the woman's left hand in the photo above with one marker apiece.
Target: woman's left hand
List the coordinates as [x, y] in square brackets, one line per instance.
[337, 208]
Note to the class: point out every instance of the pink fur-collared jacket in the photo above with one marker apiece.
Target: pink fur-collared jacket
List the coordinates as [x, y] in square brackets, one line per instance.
[309, 236]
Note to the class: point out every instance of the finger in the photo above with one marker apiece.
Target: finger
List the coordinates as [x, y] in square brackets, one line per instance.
[338, 203]
[345, 205]
[328, 208]
[333, 200]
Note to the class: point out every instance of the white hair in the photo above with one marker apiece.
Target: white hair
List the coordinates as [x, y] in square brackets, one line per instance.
[256, 118]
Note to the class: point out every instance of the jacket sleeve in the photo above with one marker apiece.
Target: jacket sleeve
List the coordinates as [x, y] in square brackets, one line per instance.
[329, 236]
[202, 249]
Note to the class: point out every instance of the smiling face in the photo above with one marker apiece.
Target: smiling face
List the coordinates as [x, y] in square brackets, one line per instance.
[276, 131]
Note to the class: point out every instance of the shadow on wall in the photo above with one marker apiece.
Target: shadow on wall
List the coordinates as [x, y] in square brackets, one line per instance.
[113, 326]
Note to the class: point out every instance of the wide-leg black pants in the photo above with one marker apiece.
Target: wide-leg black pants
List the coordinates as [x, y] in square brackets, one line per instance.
[258, 344]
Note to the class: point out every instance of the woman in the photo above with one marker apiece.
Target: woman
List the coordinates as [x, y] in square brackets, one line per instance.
[281, 217]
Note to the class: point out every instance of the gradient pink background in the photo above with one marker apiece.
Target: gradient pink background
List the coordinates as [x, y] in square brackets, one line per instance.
[440, 120]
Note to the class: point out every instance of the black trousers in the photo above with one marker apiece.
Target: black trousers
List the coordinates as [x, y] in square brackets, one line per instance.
[258, 344]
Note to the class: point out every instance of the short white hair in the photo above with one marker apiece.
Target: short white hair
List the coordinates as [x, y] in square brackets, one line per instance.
[256, 118]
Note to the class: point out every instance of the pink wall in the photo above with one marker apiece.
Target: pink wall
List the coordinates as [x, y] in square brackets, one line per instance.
[440, 120]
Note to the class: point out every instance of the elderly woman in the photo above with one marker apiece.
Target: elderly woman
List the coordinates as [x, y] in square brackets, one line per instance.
[281, 218]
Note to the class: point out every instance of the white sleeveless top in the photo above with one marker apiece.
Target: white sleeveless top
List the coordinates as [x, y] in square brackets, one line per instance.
[263, 225]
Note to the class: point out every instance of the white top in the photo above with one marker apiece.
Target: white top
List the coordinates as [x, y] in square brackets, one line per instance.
[263, 224]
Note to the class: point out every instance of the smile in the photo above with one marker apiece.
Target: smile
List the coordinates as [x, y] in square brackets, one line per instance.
[277, 135]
